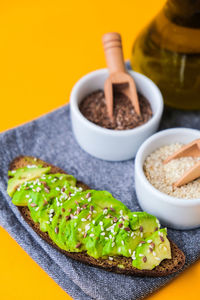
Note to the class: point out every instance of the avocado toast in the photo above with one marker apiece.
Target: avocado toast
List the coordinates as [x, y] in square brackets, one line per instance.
[90, 226]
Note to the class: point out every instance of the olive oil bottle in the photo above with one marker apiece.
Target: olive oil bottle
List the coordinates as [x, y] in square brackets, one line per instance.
[168, 52]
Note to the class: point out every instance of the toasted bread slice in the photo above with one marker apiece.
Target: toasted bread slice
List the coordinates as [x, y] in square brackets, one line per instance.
[166, 267]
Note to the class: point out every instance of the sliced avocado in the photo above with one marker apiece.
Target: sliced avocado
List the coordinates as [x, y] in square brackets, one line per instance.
[144, 222]
[22, 175]
[152, 251]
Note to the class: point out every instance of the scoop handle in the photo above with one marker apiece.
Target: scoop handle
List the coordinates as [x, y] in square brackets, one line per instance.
[112, 44]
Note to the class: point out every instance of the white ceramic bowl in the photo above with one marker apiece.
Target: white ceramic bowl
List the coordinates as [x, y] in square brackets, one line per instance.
[173, 212]
[110, 144]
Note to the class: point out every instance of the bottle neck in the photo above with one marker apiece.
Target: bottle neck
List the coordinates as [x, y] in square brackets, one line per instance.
[183, 12]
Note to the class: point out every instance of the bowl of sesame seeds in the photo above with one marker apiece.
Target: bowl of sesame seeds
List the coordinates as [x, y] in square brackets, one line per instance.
[176, 207]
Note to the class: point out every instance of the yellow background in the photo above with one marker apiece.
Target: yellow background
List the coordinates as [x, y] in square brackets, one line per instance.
[45, 47]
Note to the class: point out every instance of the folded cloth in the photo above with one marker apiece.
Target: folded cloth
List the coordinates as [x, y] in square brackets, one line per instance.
[51, 139]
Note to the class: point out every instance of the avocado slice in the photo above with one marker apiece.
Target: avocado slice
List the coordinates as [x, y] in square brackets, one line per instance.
[143, 222]
[150, 252]
[22, 175]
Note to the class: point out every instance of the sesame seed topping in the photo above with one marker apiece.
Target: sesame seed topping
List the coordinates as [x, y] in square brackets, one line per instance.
[122, 243]
[152, 245]
[100, 223]
[91, 234]
[27, 196]
[37, 208]
[141, 255]
[46, 190]
[85, 205]
[141, 228]
[89, 199]
[115, 219]
[129, 250]
[120, 225]
[162, 239]
[67, 218]
[154, 253]
[88, 195]
[144, 259]
[85, 234]
[56, 230]
[63, 210]
[149, 241]
[127, 229]
[113, 244]
[33, 204]
[102, 233]
[78, 245]
[83, 219]
[79, 229]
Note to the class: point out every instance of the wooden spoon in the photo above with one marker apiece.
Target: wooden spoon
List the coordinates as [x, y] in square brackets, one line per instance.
[118, 77]
[191, 149]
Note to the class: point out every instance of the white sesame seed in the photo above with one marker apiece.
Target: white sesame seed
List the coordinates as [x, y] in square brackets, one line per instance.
[100, 223]
[79, 229]
[93, 222]
[149, 241]
[83, 219]
[154, 253]
[27, 196]
[75, 217]
[140, 254]
[122, 243]
[91, 234]
[113, 244]
[102, 233]
[157, 258]
[37, 208]
[89, 199]
[129, 250]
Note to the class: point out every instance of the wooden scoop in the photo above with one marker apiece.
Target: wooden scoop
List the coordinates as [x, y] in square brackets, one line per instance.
[118, 77]
[192, 149]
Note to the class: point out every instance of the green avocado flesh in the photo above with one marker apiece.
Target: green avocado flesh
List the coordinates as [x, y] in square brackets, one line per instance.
[90, 221]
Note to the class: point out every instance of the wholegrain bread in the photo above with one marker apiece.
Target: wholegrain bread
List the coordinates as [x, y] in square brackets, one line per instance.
[166, 267]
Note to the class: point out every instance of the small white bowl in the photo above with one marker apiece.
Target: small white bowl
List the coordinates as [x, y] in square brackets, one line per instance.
[108, 144]
[173, 212]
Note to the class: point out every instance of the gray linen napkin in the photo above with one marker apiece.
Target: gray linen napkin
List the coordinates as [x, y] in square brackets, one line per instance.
[51, 139]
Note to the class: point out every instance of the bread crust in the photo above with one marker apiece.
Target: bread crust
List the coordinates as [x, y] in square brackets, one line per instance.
[166, 267]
